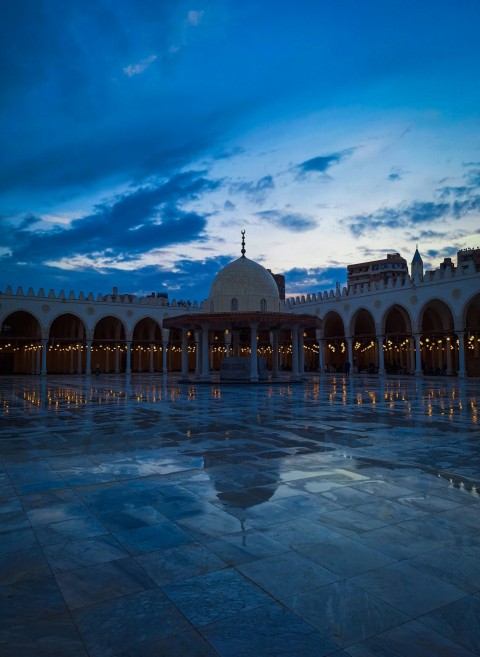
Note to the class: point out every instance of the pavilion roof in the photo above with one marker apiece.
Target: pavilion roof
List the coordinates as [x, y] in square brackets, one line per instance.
[239, 320]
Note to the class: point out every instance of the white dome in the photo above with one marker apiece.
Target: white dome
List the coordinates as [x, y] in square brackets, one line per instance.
[244, 285]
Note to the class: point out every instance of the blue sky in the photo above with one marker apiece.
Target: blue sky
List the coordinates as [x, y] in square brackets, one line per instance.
[139, 138]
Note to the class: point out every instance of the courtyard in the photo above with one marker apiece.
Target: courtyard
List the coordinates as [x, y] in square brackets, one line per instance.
[144, 517]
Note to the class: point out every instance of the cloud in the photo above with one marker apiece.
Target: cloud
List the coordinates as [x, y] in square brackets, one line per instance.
[396, 174]
[292, 221]
[410, 214]
[322, 163]
[148, 218]
[229, 206]
[194, 17]
[136, 69]
[255, 191]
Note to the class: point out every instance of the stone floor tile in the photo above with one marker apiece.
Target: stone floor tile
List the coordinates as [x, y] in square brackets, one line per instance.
[218, 595]
[270, 631]
[345, 613]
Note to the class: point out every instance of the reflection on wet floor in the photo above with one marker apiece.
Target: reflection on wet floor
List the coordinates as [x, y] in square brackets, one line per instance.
[143, 516]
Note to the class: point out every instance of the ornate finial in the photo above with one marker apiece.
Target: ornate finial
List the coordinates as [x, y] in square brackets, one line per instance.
[243, 243]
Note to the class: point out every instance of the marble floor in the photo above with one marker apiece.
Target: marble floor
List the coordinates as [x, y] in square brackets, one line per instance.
[142, 517]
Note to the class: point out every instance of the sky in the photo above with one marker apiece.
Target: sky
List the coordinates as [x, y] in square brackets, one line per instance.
[139, 138]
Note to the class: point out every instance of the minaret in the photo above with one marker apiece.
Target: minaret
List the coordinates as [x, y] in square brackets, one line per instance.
[243, 243]
[416, 270]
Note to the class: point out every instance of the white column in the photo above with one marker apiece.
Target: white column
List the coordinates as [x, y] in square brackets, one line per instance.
[301, 352]
[253, 353]
[274, 344]
[411, 355]
[38, 359]
[350, 354]
[107, 360]
[44, 356]
[150, 367]
[88, 364]
[295, 351]
[128, 368]
[228, 342]
[184, 352]
[205, 373]
[198, 366]
[165, 336]
[449, 358]
[381, 357]
[236, 343]
[418, 355]
[461, 354]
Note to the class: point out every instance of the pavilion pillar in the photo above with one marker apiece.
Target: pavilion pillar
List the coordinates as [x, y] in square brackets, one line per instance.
[295, 351]
[228, 342]
[461, 372]
[274, 345]
[44, 356]
[253, 353]
[418, 355]
[184, 352]
[88, 360]
[165, 336]
[151, 368]
[205, 372]
[128, 369]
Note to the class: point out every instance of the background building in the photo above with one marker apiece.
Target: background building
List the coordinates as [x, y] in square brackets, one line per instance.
[374, 271]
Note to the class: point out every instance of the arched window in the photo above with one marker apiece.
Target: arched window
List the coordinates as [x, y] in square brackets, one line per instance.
[234, 304]
[263, 305]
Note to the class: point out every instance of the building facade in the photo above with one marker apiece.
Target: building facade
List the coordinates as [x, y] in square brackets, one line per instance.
[421, 324]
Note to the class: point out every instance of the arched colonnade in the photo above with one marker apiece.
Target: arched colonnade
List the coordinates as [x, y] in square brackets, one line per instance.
[434, 340]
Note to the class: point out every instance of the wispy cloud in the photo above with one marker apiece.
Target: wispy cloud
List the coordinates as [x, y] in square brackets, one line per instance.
[255, 191]
[322, 163]
[136, 69]
[148, 218]
[291, 221]
[194, 17]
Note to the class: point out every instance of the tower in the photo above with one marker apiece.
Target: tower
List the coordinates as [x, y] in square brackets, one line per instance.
[416, 271]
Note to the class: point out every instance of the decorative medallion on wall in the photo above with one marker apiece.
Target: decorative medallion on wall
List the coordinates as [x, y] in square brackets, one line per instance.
[129, 313]
[414, 300]
[90, 310]
[456, 293]
[378, 304]
[46, 308]
[346, 307]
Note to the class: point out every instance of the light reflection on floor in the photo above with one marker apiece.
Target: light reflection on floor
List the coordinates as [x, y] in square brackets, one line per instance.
[141, 516]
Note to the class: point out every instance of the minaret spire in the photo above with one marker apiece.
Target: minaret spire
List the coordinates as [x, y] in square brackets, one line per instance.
[243, 243]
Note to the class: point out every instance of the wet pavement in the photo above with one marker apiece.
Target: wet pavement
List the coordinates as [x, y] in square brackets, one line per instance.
[143, 517]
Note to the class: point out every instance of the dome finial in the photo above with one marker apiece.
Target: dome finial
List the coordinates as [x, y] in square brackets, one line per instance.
[243, 243]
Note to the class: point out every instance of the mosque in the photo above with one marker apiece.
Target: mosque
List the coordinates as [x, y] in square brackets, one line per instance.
[425, 323]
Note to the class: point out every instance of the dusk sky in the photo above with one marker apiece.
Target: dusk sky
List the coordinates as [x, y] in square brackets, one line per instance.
[138, 138]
